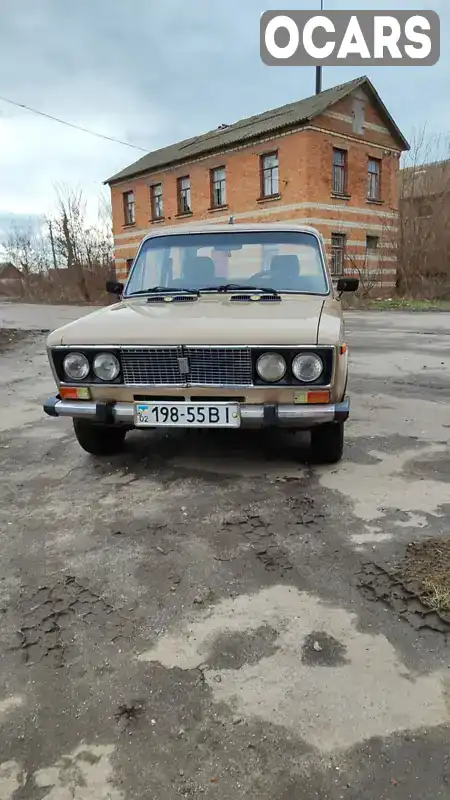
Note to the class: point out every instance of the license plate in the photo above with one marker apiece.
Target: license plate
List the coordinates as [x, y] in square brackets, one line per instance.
[187, 415]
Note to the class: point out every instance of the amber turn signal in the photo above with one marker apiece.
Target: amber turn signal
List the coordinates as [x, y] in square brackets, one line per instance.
[318, 397]
[75, 393]
[301, 398]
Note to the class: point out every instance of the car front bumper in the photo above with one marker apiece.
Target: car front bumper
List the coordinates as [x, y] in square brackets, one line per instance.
[252, 416]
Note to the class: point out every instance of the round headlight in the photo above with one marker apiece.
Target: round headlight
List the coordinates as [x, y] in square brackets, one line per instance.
[76, 366]
[307, 367]
[271, 367]
[106, 366]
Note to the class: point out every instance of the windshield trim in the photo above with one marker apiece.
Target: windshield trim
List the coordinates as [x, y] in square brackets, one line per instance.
[144, 294]
[164, 234]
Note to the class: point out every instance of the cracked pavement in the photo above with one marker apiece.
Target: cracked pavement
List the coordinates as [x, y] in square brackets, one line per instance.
[206, 616]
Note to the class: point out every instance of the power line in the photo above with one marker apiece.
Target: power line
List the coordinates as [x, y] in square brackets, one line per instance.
[72, 125]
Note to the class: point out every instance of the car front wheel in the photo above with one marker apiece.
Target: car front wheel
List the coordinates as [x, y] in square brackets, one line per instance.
[99, 440]
[327, 443]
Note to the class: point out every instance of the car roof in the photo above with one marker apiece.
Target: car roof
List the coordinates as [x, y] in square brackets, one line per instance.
[208, 227]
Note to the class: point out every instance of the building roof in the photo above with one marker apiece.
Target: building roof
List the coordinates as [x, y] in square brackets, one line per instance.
[425, 180]
[253, 128]
[8, 270]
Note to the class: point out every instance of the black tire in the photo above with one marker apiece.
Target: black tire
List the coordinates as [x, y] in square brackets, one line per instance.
[327, 443]
[99, 440]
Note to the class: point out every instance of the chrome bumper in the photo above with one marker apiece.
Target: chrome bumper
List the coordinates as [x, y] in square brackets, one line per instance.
[252, 416]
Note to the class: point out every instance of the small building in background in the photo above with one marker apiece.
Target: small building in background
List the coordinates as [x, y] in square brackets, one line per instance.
[424, 221]
[10, 280]
[330, 161]
[9, 272]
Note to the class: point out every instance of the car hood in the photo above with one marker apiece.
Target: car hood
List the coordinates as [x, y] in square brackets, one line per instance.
[209, 320]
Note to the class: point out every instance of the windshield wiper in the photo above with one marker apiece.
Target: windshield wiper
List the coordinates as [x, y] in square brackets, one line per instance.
[237, 287]
[163, 290]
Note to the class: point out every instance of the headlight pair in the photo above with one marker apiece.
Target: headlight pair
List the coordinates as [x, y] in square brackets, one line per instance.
[306, 367]
[105, 366]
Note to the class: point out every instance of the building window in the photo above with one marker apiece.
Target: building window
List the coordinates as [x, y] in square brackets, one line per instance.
[374, 179]
[218, 188]
[128, 208]
[337, 253]
[372, 243]
[269, 175]
[156, 201]
[184, 195]
[129, 265]
[339, 171]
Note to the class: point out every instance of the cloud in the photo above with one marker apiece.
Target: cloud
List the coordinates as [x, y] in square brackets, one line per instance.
[31, 222]
[153, 73]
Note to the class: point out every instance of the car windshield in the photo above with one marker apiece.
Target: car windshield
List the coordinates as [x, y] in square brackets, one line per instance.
[284, 261]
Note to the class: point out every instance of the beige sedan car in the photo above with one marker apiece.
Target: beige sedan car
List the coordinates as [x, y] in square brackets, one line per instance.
[217, 326]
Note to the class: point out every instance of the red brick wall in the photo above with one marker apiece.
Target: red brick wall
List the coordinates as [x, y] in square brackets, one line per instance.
[305, 177]
[243, 183]
[371, 117]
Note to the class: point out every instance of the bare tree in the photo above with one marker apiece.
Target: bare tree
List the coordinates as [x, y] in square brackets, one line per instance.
[369, 278]
[376, 264]
[26, 248]
[372, 261]
[19, 249]
[83, 248]
[69, 256]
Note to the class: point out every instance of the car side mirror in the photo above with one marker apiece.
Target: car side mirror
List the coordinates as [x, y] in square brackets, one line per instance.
[347, 285]
[114, 287]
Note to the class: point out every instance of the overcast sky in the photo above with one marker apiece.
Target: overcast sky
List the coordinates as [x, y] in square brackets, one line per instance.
[156, 71]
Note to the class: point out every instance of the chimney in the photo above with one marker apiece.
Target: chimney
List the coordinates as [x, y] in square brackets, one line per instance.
[318, 80]
[319, 69]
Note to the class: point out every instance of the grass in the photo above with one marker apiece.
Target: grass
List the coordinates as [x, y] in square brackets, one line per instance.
[427, 566]
[436, 595]
[400, 303]
[358, 303]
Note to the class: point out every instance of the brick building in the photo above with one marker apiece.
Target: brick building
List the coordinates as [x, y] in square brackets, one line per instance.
[330, 161]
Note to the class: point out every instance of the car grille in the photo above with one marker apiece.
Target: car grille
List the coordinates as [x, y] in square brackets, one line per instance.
[156, 367]
[220, 366]
[207, 366]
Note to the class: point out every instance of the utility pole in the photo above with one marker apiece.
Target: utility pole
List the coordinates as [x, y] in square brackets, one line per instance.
[52, 242]
[319, 69]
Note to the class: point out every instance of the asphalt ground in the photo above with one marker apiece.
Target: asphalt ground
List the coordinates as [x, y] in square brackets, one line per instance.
[205, 615]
